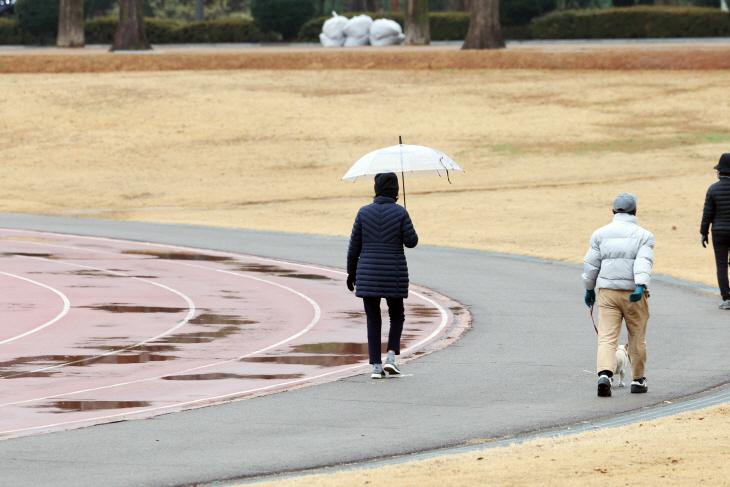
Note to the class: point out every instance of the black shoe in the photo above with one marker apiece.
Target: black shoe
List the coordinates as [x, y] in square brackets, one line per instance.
[639, 385]
[604, 386]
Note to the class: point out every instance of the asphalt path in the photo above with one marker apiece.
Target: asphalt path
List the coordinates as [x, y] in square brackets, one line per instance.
[528, 363]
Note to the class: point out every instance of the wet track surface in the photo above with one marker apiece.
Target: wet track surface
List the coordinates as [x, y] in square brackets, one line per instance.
[97, 330]
[526, 364]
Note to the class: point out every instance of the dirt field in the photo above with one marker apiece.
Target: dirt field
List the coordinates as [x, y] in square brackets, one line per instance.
[545, 154]
[711, 54]
[687, 449]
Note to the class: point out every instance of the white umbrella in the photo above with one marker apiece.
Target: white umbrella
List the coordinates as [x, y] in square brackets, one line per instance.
[412, 161]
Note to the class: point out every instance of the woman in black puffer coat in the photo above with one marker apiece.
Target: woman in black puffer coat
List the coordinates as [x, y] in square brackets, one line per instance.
[376, 266]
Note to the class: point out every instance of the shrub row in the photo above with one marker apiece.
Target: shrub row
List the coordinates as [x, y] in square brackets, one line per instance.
[632, 23]
[618, 23]
[11, 33]
[159, 31]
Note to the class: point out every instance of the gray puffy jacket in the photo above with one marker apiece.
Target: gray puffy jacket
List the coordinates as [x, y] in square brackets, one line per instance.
[620, 257]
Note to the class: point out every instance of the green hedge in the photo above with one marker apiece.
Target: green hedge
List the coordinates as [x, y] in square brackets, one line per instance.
[632, 23]
[160, 31]
[12, 33]
[225, 30]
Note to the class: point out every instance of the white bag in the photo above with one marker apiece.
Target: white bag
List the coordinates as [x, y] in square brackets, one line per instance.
[333, 28]
[357, 31]
[386, 32]
[332, 31]
[327, 42]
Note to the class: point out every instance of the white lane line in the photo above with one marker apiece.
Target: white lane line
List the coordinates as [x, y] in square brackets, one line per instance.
[442, 311]
[233, 255]
[317, 316]
[191, 312]
[444, 321]
[66, 307]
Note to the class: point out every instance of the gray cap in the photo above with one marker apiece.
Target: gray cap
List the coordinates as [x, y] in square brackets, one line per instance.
[625, 203]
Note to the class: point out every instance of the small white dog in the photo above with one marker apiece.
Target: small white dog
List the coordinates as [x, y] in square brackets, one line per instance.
[623, 365]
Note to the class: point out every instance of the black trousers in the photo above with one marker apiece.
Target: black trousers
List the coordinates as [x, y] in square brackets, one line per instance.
[375, 325]
[721, 245]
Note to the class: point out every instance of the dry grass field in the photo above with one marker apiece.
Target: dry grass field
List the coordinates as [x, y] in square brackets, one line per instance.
[545, 154]
[545, 151]
[687, 449]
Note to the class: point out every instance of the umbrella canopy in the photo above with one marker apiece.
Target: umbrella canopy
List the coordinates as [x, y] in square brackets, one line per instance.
[411, 161]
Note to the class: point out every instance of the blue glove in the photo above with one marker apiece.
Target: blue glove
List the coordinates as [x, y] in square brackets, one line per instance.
[590, 298]
[637, 295]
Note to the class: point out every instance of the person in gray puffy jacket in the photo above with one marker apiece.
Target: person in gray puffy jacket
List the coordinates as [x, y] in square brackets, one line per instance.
[618, 264]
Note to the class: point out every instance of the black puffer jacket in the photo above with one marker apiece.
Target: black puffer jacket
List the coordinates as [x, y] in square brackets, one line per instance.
[376, 254]
[717, 209]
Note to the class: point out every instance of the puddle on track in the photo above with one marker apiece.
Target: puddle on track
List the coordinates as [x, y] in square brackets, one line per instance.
[323, 360]
[347, 348]
[123, 308]
[76, 406]
[214, 319]
[131, 357]
[30, 254]
[275, 270]
[200, 337]
[220, 376]
[178, 255]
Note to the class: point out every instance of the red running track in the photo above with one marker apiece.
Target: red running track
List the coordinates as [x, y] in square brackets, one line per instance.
[97, 330]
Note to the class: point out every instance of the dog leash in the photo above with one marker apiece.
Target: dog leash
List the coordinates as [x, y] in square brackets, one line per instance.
[594, 321]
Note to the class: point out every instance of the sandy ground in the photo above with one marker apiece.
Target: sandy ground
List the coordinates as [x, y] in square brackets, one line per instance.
[545, 154]
[545, 151]
[687, 449]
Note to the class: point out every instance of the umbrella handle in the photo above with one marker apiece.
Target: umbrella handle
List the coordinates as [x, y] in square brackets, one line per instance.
[400, 142]
[404, 189]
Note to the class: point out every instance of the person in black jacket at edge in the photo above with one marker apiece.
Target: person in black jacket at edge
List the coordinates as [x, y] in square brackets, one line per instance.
[377, 268]
[717, 214]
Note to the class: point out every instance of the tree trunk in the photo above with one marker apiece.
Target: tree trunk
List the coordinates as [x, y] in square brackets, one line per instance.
[459, 5]
[394, 5]
[71, 24]
[371, 5]
[131, 34]
[417, 29]
[623, 3]
[355, 5]
[485, 31]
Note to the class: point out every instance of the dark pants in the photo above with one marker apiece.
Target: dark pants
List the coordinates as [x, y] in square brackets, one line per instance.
[375, 324]
[721, 245]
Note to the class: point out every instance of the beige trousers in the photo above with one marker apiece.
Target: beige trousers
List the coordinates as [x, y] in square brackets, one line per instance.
[614, 307]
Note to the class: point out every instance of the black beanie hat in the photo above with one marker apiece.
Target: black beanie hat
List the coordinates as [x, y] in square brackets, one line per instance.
[386, 184]
[724, 164]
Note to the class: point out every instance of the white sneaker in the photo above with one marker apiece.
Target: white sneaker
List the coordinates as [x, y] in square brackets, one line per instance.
[391, 368]
[378, 372]
[725, 305]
